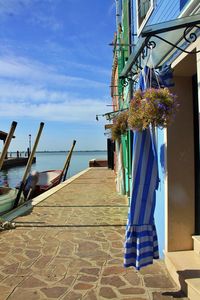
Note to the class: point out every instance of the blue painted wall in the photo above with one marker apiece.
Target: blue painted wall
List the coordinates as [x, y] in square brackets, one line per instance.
[160, 194]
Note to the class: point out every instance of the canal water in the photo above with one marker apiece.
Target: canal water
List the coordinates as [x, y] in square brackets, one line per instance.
[52, 161]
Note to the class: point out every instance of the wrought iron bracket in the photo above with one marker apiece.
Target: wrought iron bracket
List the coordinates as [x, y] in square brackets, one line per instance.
[188, 36]
[149, 37]
[128, 79]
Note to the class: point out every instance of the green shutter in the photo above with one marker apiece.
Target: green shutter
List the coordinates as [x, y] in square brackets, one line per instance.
[125, 27]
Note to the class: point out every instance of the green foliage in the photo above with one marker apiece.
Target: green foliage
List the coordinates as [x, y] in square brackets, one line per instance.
[153, 106]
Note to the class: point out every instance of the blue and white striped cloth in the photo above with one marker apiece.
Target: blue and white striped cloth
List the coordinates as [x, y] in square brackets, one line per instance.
[165, 75]
[141, 244]
[162, 77]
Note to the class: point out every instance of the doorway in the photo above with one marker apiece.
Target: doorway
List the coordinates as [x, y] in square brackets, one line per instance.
[181, 160]
[196, 152]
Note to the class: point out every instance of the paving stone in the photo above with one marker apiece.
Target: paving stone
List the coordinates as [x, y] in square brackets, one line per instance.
[90, 271]
[11, 269]
[2, 277]
[116, 261]
[72, 296]
[54, 292]
[22, 294]
[117, 245]
[160, 296]
[155, 268]
[32, 253]
[158, 281]
[17, 250]
[79, 263]
[23, 272]
[136, 298]
[12, 281]
[4, 292]
[132, 278]
[83, 286]
[48, 276]
[32, 282]
[131, 291]
[42, 262]
[113, 281]
[68, 280]
[59, 270]
[76, 262]
[28, 263]
[113, 270]
[87, 278]
[107, 292]
[91, 295]
[50, 250]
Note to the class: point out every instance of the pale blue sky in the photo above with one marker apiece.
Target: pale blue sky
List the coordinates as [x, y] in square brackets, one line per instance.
[55, 67]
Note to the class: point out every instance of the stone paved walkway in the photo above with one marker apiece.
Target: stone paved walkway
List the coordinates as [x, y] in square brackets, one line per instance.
[70, 246]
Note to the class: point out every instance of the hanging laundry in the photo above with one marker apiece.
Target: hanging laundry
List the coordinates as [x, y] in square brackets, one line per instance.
[158, 78]
[141, 244]
[165, 75]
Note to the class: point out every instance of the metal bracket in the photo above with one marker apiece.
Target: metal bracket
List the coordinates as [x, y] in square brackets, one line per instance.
[189, 39]
[130, 78]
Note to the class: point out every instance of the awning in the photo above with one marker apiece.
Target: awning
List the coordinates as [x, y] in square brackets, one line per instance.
[167, 38]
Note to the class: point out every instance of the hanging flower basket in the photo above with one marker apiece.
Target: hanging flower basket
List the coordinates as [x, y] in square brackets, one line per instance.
[152, 106]
[120, 125]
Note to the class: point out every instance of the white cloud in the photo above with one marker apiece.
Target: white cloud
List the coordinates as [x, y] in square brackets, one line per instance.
[10, 90]
[31, 71]
[73, 110]
[36, 90]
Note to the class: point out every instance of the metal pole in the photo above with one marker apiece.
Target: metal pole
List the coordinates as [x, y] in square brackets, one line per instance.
[28, 166]
[30, 142]
[7, 143]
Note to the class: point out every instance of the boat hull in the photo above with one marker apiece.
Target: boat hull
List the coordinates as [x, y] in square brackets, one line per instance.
[7, 199]
[47, 180]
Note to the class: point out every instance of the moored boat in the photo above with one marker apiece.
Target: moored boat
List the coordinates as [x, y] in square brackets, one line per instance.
[7, 199]
[47, 180]
[11, 197]
[39, 182]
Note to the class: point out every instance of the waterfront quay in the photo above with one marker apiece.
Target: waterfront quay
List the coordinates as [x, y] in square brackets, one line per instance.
[12, 162]
[69, 245]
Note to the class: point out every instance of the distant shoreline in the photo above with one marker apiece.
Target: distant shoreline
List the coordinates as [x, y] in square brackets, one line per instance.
[62, 151]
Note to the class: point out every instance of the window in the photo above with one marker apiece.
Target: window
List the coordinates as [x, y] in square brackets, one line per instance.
[144, 9]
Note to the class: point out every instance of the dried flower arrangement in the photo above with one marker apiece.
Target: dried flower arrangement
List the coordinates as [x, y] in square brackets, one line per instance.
[120, 125]
[152, 106]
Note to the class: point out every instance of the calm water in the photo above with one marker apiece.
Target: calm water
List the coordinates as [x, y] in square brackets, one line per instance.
[52, 161]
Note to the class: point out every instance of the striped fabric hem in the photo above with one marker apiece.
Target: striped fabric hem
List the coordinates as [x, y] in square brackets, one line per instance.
[141, 246]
